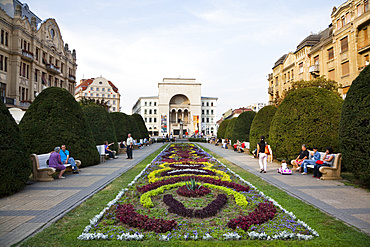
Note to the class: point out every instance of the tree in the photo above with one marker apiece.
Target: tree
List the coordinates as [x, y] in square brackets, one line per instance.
[306, 116]
[230, 129]
[261, 125]
[141, 125]
[55, 118]
[101, 125]
[319, 82]
[15, 163]
[134, 128]
[242, 126]
[124, 124]
[354, 131]
[222, 129]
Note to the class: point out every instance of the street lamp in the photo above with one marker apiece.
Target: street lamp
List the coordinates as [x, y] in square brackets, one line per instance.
[181, 129]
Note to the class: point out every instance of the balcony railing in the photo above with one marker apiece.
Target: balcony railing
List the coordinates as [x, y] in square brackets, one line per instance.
[314, 68]
[8, 101]
[270, 90]
[72, 78]
[52, 68]
[27, 55]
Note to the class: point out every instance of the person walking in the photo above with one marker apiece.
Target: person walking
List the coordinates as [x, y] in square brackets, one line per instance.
[262, 155]
[129, 143]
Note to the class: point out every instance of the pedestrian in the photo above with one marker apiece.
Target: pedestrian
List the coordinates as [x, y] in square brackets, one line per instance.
[261, 146]
[129, 143]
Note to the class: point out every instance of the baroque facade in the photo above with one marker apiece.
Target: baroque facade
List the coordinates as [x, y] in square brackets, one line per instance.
[99, 89]
[339, 52]
[33, 55]
[178, 109]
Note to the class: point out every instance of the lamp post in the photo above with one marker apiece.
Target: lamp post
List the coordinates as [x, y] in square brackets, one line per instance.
[181, 129]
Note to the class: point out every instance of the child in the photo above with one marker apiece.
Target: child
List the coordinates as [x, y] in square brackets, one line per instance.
[283, 165]
[284, 170]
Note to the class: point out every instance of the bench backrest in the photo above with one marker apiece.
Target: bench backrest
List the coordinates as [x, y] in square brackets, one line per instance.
[337, 158]
[101, 149]
[42, 160]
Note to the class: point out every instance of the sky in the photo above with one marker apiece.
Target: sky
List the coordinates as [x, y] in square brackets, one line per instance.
[230, 46]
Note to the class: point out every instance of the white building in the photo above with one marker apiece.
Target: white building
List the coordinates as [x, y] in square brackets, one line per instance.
[179, 109]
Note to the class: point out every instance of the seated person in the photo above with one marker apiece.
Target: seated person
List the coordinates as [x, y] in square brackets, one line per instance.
[242, 147]
[108, 151]
[225, 144]
[312, 161]
[254, 153]
[238, 145]
[218, 141]
[122, 144]
[66, 159]
[56, 162]
[301, 157]
[328, 160]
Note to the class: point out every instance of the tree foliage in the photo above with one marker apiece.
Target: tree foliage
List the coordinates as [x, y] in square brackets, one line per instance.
[55, 118]
[89, 101]
[230, 129]
[222, 129]
[261, 125]
[141, 126]
[306, 116]
[125, 124]
[15, 163]
[242, 126]
[101, 125]
[354, 131]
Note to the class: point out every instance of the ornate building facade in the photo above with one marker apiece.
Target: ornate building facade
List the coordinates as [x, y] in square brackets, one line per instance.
[179, 108]
[33, 56]
[99, 89]
[339, 52]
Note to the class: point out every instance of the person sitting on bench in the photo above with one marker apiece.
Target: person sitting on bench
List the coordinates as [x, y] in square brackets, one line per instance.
[108, 151]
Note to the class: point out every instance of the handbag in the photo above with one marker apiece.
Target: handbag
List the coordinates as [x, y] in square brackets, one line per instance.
[319, 162]
[267, 151]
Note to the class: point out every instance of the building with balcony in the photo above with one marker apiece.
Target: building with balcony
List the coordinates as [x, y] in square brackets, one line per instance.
[99, 89]
[339, 52]
[33, 56]
[179, 108]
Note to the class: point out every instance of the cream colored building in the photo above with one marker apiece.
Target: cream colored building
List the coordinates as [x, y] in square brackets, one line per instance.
[179, 108]
[99, 89]
[339, 52]
[33, 55]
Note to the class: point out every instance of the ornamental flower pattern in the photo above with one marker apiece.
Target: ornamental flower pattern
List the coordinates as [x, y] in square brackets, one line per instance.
[231, 208]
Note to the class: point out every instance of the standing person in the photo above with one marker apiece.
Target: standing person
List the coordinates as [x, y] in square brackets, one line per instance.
[56, 162]
[163, 138]
[64, 156]
[129, 143]
[108, 151]
[261, 154]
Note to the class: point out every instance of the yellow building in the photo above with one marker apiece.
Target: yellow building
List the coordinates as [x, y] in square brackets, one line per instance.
[33, 56]
[339, 52]
[99, 89]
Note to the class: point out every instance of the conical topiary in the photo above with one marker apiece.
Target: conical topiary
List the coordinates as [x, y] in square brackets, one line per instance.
[222, 129]
[55, 118]
[242, 126]
[141, 125]
[261, 125]
[15, 163]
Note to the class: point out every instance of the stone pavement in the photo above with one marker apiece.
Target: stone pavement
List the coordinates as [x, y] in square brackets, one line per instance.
[346, 203]
[42, 203]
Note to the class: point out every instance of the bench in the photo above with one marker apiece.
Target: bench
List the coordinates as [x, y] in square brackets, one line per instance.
[104, 156]
[41, 171]
[330, 172]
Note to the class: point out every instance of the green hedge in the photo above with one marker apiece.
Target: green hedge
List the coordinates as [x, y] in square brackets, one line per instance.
[141, 126]
[125, 124]
[55, 118]
[222, 129]
[354, 132]
[135, 131]
[15, 163]
[197, 140]
[261, 125]
[309, 116]
[242, 126]
[230, 129]
[101, 125]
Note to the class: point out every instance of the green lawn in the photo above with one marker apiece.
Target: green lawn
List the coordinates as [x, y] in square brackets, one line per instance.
[65, 231]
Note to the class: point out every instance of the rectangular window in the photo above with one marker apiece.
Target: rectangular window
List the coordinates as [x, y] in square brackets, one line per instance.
[103, 95]
[207, 120]
[85, 94]
[2, 37]
[345, 68]
[202, 119]
[114, 96]
[339, 24]
[331, 75]
[366, 60]
[202, 112]
[2, 89]
[91, 94]
[344, 44]
[1, 62]
[212, 112]
[5, 64]
[155, 103]
[114, 108]
[366, 5]
[330, 53]
[36, 73]
[277, 80]
[292, 74]
[211, 103]
[207, 112]
[150, 120]
[114, 102]
[103, 89]
[348, 18]
[6, 38]
[92, 89]
[316, 60]
[359, 10]
[300, 68]
[109, 91]
[343, 20]
[24, 70]
[97, 95]
[27, 71]
[37, 54]
[155, 120]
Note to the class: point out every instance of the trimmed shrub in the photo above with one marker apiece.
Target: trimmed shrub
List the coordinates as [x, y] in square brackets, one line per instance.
[222, 129]
[242, 126]
[124, 124]
[261, 125]
[135, 132]
[15, 163]
[101, 125]
[307, 115]
[354, 131]
[230, 129]
[141, 126]
[55, 118]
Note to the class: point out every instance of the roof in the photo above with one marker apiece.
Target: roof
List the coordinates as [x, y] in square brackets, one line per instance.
[85, 83]
[310, 40]
[280, 60]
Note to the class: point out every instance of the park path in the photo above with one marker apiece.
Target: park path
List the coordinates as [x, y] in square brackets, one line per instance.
[346, 203]
[42, 203]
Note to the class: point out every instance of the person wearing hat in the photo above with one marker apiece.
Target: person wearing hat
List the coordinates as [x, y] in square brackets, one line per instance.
[301, 157]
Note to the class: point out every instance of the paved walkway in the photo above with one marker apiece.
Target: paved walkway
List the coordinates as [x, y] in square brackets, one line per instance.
[42, 203]
[346, 203]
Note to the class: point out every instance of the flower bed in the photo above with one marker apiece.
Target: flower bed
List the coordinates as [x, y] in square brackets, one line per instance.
[224, 207]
